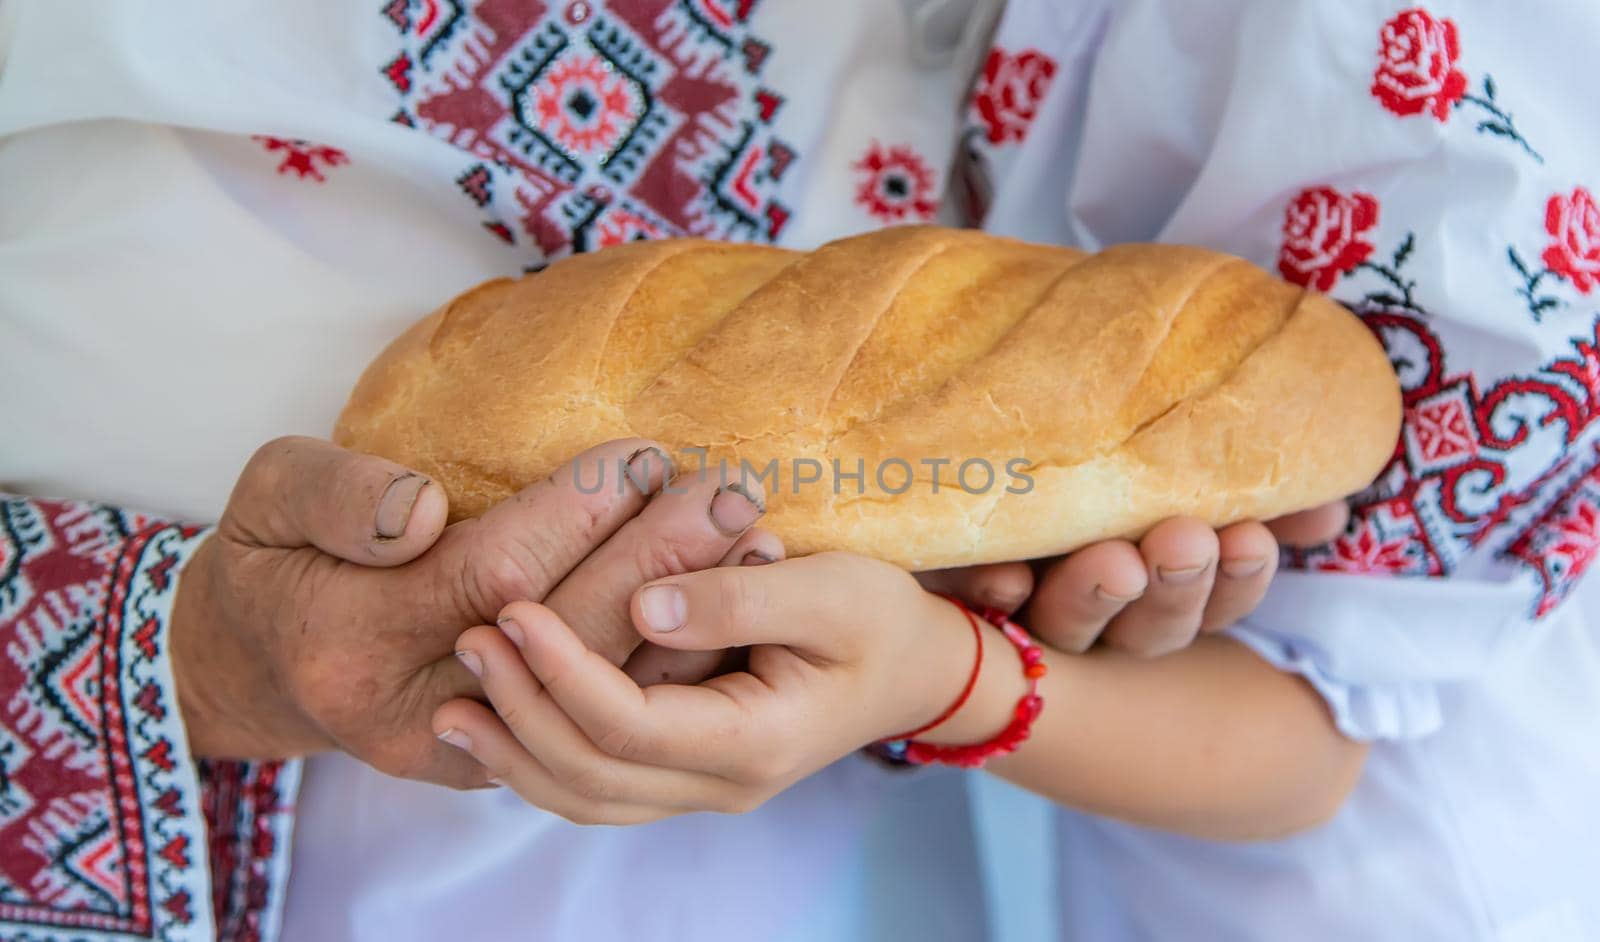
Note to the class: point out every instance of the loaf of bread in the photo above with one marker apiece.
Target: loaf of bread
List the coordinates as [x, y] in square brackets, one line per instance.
[869, 384]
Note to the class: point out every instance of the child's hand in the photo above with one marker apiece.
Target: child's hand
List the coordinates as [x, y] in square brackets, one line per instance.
[847, 651]
[1180, 580]
[653, 664]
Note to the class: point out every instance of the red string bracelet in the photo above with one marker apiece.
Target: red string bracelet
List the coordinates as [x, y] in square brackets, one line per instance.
[972, 681]
[1016, 732]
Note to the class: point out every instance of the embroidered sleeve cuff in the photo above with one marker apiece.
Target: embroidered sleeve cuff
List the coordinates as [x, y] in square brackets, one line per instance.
[249, 811]
[103, 814]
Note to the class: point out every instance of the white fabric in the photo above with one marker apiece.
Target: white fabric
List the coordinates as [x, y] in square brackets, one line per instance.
[1485, 830]
[153, 232]
[378, 859]
[1169, 120]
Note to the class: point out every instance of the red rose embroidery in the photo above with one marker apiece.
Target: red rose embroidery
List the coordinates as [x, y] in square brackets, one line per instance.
[1322, 232]
[1009, 93]
[895, 185]
[302, 157]
[1417, 65]
[1574, 223]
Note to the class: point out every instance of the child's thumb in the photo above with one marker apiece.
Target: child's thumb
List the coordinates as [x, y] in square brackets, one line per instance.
[794, 602]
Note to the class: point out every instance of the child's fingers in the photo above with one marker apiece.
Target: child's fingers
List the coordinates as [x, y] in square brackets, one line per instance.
[1248, 557]
[699, 728]
[1004, 586]
[473, 728]
[567, 752]
[1080, 594]
[817, 604]
[1311, 527]
[686, 527]
[1181, 558]
[562, 748]
[653, 664]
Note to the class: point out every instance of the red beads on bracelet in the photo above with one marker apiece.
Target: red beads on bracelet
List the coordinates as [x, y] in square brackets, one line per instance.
[1009, 739]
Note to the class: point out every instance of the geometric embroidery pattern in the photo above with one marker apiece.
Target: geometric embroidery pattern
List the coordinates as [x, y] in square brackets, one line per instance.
[302, 158]
[1512, 468]
[895, 185]
[584, 124]
[249, 812]
[100, 835]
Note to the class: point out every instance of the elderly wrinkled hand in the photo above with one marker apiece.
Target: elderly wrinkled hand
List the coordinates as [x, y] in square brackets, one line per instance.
[323, 610]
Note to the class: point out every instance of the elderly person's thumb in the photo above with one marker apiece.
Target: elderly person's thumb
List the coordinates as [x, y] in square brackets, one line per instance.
[308, 492]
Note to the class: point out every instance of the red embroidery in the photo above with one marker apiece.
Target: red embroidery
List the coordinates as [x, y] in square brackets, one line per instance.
[398, 72]
[478, 184]
[177, 906]
[1010, 90]
[501, 231]
[89, 842]
[584, 106]
[1417, 71]
[1574, 223]
[1364, 551]
[626, 227]
[767, 104]
[895, 185]
[1417, 74]
[1564, 541]
[1322, 230]
[303, 157]
[589, 122]
[248, 808]
[399, 13]
[1441, 431]
[1474, 468]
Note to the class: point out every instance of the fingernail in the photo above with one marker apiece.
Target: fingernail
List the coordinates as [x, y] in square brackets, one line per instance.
[1101, 593]
[1188, 575]
[734, 509]
[757, 558]
[1001, 600]
[512, 630]
[1242, 568]
[457, 738]
[664, 607]
[643, 466]
[471, 661]
[394, 508]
